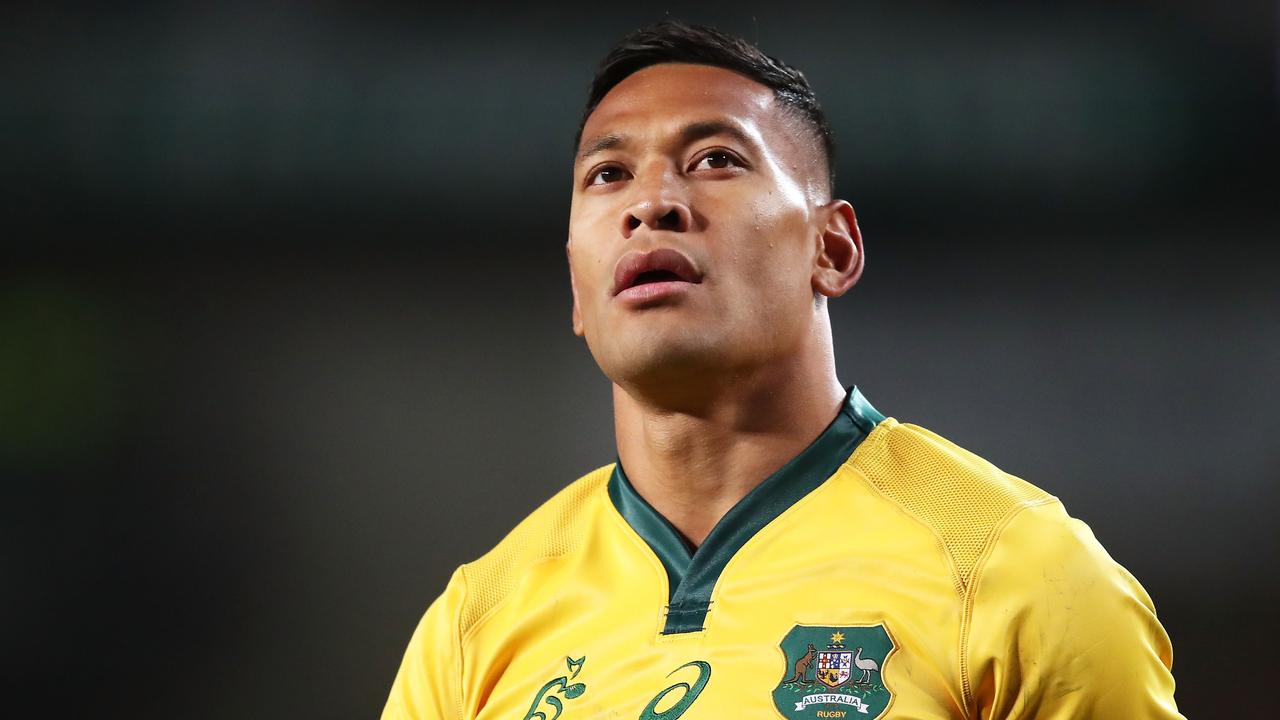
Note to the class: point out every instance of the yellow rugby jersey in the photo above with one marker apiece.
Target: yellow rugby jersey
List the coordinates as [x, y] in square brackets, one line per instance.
[883, 572]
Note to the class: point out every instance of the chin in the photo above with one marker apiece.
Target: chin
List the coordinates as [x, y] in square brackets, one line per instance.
[657, 359]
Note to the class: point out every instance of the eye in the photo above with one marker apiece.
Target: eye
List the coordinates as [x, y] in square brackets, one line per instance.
[606, 175]
[718, 160]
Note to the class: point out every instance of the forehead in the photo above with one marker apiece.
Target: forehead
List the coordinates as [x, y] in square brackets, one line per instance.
[662, 98]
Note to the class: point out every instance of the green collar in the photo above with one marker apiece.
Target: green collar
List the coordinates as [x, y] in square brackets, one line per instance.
[692, 574]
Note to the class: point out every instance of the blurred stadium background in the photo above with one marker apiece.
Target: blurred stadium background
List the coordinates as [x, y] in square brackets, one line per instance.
[284, 316]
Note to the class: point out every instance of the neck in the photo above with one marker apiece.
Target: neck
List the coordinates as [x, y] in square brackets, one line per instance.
[694, 461]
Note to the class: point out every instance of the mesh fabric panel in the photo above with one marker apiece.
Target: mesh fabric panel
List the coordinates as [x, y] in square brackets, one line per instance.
[550, 531]
[962, 497]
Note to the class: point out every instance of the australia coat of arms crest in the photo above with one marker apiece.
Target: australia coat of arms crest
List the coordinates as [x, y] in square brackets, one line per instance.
[835, 672]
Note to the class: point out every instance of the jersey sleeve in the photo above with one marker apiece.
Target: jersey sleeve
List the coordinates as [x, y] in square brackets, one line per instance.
[1059, 630]
[428, 685]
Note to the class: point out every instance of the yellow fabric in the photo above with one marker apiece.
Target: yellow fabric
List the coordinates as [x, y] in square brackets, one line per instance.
[1085, 633]
[999, 604]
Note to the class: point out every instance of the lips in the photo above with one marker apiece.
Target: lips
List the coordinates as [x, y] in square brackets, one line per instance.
[660, 265]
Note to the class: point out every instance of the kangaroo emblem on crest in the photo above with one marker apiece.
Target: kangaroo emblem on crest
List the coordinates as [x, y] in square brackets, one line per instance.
[802, 667]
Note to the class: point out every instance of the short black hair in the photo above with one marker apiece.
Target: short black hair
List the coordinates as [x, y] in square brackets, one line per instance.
[672, 41]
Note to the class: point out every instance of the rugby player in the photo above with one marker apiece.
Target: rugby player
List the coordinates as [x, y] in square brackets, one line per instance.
[768, 544]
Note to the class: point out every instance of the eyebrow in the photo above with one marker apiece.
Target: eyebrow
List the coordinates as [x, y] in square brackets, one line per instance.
[600, 144]
[690, 133]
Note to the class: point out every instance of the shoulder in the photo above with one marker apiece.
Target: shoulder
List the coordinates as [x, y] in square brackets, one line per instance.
[999, 530]
[1055, 624]
[963, 499]
[430, 682]
[557, 528]
[1047, 559]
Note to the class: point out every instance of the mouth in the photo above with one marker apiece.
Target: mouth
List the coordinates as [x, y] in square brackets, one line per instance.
[663, 265]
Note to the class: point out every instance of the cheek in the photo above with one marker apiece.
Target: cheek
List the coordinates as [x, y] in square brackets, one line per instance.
[780, 252]
[589, 281]
[588, 238]
[584, 282]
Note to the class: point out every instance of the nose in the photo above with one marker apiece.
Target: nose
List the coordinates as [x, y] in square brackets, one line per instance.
[659, 204]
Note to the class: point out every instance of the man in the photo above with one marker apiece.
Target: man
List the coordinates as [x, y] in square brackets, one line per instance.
[768, 544]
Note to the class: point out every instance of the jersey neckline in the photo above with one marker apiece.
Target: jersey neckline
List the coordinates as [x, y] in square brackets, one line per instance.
[692, 574]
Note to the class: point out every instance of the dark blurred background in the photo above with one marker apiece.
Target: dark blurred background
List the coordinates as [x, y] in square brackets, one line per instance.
[284, 314]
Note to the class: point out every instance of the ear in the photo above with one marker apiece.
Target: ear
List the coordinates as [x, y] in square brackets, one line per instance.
[840, 258]
[573, 287]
